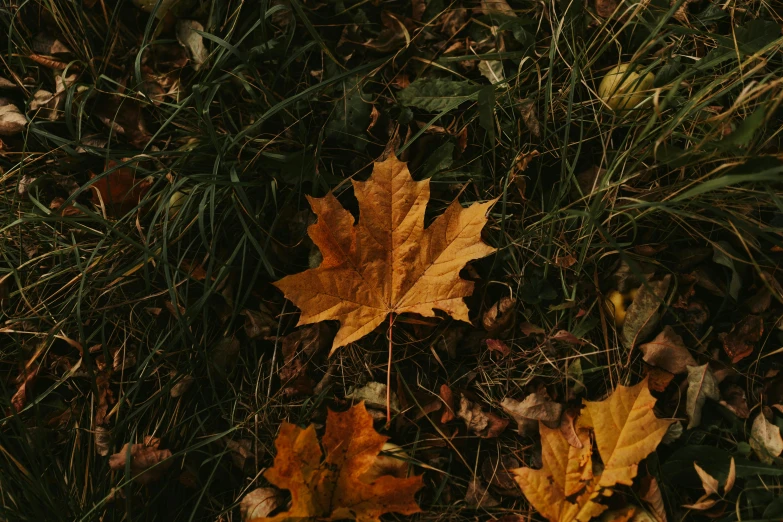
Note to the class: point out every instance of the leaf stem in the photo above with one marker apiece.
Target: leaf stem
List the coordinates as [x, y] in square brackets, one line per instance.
[388, 374]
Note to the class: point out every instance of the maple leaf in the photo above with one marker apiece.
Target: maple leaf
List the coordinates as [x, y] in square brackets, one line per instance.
[334, 486]
[625, 430]
[387, 262]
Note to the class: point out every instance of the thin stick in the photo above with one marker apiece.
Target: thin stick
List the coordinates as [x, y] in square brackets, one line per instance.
[388, 375]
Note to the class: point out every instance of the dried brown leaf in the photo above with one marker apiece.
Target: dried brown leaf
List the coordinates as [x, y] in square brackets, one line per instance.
[484, 424]
[668, 351]
[147, 462]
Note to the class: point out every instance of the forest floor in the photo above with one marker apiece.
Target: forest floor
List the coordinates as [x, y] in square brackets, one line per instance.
[155, 169]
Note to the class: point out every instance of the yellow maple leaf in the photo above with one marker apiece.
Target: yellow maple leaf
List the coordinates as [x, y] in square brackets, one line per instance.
[336, 486]
[625, 429]
[387, 262]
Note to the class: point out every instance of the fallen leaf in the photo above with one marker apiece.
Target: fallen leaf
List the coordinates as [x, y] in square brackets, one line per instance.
[259, 324]
[500, 316]
[12, 121]
[739, 343]
[765, 439]
[192, 41]
[568, 427]
[329, 487]
[650, 493]
[492, 70]
[500, 347]
[496, 470]
[729, 485]
[702, 504]
[124, 116]
[702, 385]
[147, 462]
[658, 379]
[388, 262]
[642, 316]
[392, 462]
[496, 6]
[301, 349]
[373, 394]
[259, 503]
[485, 425]
[102, 440]
[527, 109]
[735, 401]
[242, 455]
[530, 329]
[477, 495]
[25, 381]
[224, 355]
[708, 482]
[447, 396]
[668, 351]
[626, 431]
[119, 191]
[605, 8]
[535, 407]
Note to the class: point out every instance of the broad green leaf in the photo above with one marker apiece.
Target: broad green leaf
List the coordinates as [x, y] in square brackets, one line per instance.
[435, 94]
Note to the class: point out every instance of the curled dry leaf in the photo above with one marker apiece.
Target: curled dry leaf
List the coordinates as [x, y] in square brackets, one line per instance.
[651, 495]
[499, 347]
[25, 381]
[387, 262]
[765, 439]
[102, 440]
[373, 394]
[729, 485]
[447, 396]
[605, 8]
[496, 6]
[708, 482]
[702, 504]
[702, 385]
[259, 503]
[642, 316]
[484, 424]
[668, 351]
[12, 121]
[147, 462]
[739, 343]
[568, 427]
[327, 484]
[626, 431]
[259, 324]
[535, 407]
[500, 316]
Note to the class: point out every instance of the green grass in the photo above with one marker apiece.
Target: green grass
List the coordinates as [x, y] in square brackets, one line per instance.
[280, 111]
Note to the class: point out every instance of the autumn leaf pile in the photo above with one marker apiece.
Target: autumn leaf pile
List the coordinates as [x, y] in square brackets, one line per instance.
[403, 260]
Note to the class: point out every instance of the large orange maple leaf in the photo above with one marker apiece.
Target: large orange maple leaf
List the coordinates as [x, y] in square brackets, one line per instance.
[387, 262]
[337, 486]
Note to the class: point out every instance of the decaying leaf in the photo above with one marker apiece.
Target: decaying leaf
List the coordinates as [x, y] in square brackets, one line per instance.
[535, 407]
[735, 400]
[120, 190]
[387, 262]
[739, 343]
[330, 486]
[259, 503]
[478, 496]
[447, 396]
[499, 347]
[650, 493]
[668, 351]
[765, 439]
[147, 462]
[192, 41]
[373, 394]
[642, 316]
[702, 385]
[12, 121]
[605, 8]
[626, 431]
[302, 349]
[497, 6]
[500, 316]
[484, 424]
